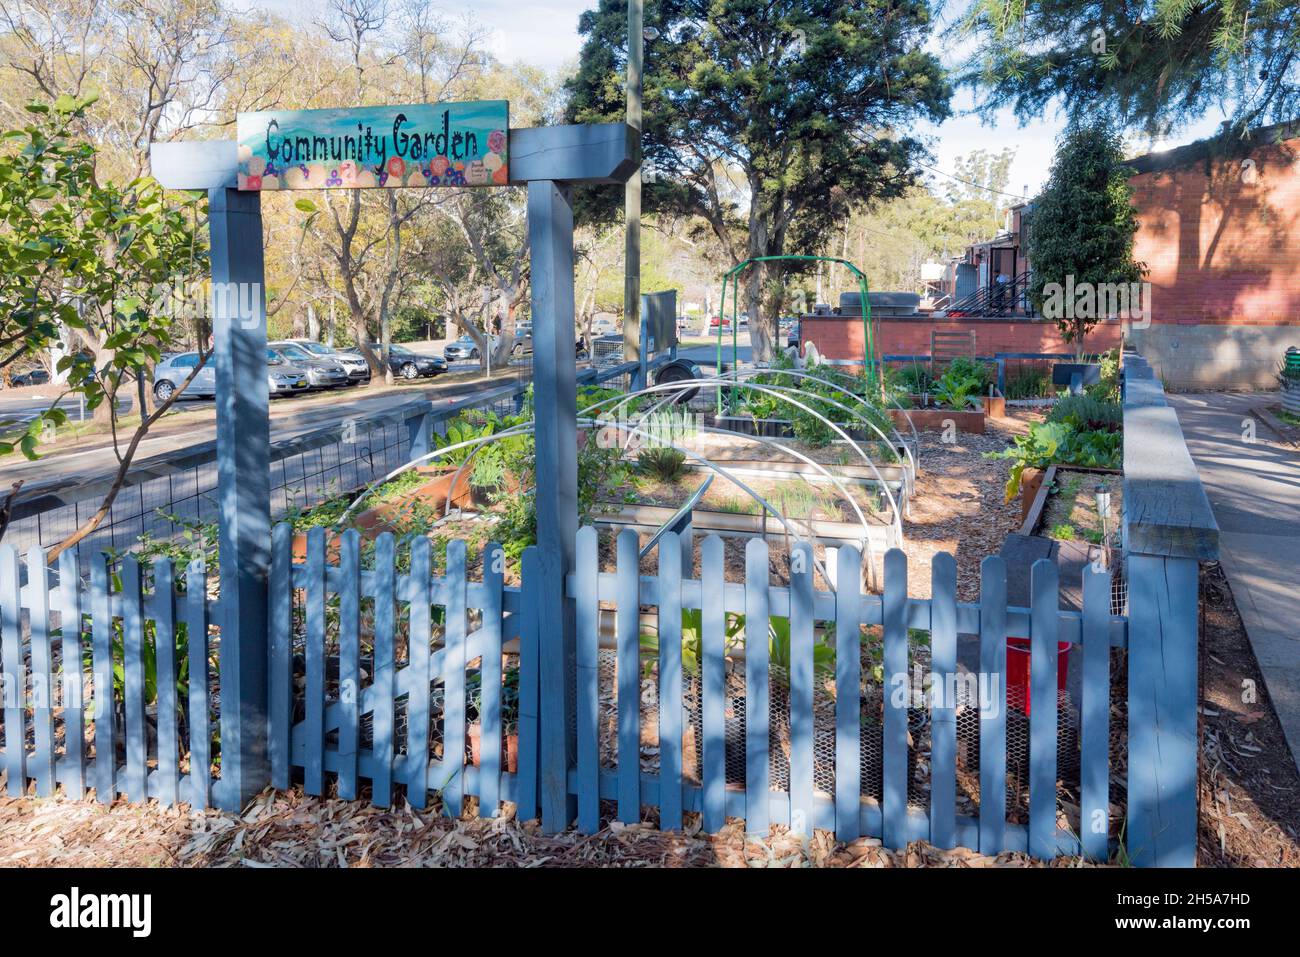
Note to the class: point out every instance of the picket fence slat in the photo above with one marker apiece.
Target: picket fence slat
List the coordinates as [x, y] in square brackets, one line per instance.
[627, 625]
[137, 781]
[1094, 724]
[588, 691]
[993, 714]
[1044, 601]
[453, 681]
[713, 677]
[383, 719]
[943, 713]
[41, 767]
[894, 619]
[529, 693]
[196, 634]
[280, 650]
[74, 720]
[848, 693]
[105, 717]
[162, 610]
[801, 689]
[757, 719]
[670, 682]
[416, 772]
[490, 682]
[314, 705]
[15, 672]
[349, 592]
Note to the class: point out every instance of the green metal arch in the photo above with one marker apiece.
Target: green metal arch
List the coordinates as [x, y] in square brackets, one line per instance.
[732, 276]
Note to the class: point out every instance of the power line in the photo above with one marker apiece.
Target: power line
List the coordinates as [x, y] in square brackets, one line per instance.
[967, 182]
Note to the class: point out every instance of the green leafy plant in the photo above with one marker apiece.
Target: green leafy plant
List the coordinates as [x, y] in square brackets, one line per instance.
[1087, 413]
[1064, 531]
[661, 462]
[958, 388]
[1058, 443]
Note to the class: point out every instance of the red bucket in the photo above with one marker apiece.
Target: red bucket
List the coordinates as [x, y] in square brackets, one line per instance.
[1018, 671]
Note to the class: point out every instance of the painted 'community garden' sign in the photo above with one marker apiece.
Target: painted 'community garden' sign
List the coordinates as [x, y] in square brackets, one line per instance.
[425, 144]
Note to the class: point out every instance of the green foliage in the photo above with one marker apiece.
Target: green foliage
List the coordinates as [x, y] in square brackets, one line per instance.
[912, 379]
[1028, 382]
[88, 255]
[1151, 64]
[1083, 413]
[663, 463]
[961, 384]
[1058, 443]
[781, 94]
[1107, 386]
[1082, 226]
[1063, 531]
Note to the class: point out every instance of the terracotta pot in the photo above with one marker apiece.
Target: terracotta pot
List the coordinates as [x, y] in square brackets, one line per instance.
[1030, 482]
[475, 733]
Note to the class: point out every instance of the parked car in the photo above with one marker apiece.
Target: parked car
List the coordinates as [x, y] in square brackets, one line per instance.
[604, 326]
[36, 376]
[322, 372]
[353, 363]
[282, 378]
[722, 321]
[463, 349]
[408, 364]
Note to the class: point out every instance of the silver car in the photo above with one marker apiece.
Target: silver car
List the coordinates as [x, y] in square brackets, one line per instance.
[354, 365]
[322, 372]
[168, 375]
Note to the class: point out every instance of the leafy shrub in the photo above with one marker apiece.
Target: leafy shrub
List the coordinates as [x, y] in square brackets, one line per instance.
[913, 379]
[1085, 413]
[958, 388]
[661, 462]
[1050, 443]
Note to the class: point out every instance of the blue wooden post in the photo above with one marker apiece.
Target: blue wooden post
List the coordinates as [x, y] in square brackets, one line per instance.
[1169, 528]
[243, 483]
[419, 433]
[550, 229]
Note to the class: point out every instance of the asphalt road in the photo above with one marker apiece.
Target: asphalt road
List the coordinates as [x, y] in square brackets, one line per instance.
[93, 456]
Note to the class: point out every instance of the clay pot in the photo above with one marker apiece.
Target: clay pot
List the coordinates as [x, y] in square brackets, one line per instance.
[1030, 482]
[475, 733]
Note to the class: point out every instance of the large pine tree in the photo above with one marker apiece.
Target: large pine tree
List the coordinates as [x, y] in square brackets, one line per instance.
[1153, 65]
[769, 120]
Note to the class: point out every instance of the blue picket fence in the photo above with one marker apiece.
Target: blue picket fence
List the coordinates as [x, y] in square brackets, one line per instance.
[389, 666]
[106, 681]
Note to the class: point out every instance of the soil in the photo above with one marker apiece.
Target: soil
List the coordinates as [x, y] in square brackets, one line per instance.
[1072, 504]
[1249, 786]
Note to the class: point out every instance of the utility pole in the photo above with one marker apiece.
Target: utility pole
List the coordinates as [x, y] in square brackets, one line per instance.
[632, 189]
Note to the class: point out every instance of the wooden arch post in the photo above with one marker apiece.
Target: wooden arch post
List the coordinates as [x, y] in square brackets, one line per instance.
[549, 161]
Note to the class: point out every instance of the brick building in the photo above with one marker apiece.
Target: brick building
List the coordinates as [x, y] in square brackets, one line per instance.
[1220, 235]
[1219, 232]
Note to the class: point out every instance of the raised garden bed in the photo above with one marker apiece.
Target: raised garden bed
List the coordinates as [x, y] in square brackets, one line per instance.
[937, 419]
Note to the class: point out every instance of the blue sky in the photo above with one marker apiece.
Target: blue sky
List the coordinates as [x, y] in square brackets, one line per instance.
[544, 33]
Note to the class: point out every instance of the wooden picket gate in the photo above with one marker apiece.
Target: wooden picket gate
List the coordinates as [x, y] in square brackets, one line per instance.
[382, 666]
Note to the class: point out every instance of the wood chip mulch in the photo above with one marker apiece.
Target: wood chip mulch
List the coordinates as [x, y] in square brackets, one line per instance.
[960, 503]
[1249, 787]
[291, 830]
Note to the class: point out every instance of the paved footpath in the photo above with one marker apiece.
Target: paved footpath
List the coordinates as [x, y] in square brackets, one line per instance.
[1254, 488]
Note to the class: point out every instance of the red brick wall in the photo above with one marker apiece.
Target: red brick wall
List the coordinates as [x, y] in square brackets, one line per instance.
[841, 338]
[1222, 247]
